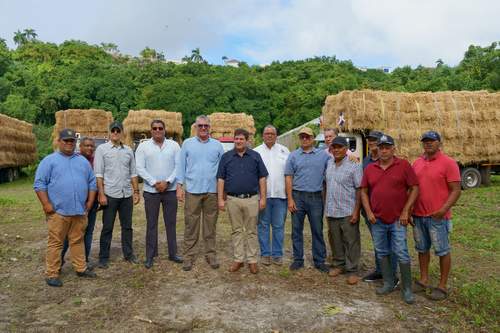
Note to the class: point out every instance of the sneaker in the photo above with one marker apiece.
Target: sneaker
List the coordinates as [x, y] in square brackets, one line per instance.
[132, 259]
[87, 273]
[103, 264]
[266, 260]
[372, 277]
[296, 265]
[187, 266]
[278, 261]
[176, 259]
[90, 266]
[54, 282]
[323, 268]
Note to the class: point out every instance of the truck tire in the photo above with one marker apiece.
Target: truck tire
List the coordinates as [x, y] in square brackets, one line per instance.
[471, 178]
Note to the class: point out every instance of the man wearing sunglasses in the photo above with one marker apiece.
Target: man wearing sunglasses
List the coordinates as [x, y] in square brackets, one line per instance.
[118, 189]
[197, 188]
[65, 185]
[156, 164]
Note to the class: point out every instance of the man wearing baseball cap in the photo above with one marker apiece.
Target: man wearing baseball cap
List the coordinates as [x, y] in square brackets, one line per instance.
[393, 188]
[439, 182]
[65, 186]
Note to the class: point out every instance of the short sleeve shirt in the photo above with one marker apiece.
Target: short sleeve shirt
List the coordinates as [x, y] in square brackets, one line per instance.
[388, 189]
[307, 169]
[433, 177]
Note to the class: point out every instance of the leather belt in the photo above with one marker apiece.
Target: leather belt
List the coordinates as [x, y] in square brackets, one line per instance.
[242, 195]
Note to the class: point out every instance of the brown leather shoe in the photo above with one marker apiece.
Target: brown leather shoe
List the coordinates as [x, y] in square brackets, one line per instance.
[253, 268]
[352, 279]
[235, 266]
[335, 272]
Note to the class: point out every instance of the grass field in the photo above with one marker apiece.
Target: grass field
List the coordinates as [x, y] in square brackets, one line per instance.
[130, 298]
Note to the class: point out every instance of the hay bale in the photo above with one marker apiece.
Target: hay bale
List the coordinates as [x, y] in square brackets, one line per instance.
[17, 143]
[137, 125]
[469, 122]
[224, 124]
[91, 122]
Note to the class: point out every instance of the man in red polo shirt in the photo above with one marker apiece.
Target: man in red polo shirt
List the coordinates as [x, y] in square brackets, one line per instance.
[388, 190]
[439, 179]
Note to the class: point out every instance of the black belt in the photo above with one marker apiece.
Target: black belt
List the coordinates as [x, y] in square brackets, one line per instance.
[242, 195]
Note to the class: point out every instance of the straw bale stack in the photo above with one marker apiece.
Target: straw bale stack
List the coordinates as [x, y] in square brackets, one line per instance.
[469, 122]
[17, 142]
[224, 124]
[137, 125]
[91, 122]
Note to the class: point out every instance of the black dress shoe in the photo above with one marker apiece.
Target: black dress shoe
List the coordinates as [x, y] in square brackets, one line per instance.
[87, 273]
[54, 282]
[103, 264]
[148, 263]
[175, 259]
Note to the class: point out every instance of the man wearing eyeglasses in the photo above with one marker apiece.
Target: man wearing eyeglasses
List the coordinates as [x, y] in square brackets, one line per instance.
[156, 163]
[304, 176]
[114, 166]
[65, 186]
[197, 188]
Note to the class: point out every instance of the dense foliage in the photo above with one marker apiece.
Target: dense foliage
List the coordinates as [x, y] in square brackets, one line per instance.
[37, 79]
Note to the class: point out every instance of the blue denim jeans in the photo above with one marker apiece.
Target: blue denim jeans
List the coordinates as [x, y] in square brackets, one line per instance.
[391, 238]
[87, 238]
[308, 204]
[430, 232]
[273, 217]
[394, 258]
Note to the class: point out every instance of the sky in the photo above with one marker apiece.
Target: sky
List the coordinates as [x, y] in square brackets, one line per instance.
[371, 33]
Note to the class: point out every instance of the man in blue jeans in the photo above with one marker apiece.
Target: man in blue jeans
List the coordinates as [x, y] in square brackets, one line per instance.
[273, 216]
[87, 149]
[393, 188]
[304, 176]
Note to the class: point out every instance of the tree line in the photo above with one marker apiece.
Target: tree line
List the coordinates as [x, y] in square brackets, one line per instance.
[39, 78]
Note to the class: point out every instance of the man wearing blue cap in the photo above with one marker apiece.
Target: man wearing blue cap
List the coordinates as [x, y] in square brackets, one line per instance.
[439, 181]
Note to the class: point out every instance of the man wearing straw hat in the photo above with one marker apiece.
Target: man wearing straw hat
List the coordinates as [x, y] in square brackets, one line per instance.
[197, 188]
[114, 166]
[65, 185]
[393, 188]
[439, 182]
[156, 164]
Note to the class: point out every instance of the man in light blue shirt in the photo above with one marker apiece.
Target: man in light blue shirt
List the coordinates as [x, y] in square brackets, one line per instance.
[156, 161]
[66, 187]
[196, 186]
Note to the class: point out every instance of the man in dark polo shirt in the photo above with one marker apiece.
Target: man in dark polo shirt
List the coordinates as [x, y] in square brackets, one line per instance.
[240, 177]
[388, 190]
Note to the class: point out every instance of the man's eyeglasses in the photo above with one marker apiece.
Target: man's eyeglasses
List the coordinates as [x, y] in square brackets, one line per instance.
[203, 126]
[157, 128]
[116, 130]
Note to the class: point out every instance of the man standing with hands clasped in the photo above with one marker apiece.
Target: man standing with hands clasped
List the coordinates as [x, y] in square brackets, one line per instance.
[393, 188]
[114, 166]
[156, 164]
[240, 178]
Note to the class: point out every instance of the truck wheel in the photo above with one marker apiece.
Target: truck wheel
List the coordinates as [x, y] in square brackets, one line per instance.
[471, 178]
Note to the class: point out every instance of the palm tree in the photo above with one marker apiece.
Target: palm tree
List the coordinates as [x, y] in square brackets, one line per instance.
[19, 38]
[196, 56]
[110, 48]
[439, 62]
[30, 34]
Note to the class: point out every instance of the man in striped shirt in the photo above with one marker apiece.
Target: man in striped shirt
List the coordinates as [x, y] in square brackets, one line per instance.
[343, 204]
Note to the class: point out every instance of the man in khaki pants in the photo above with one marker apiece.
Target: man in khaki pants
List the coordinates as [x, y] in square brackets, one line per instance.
[241, 176]
[66, 187]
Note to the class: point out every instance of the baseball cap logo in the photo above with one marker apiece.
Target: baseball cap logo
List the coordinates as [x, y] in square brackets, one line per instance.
[383, 138]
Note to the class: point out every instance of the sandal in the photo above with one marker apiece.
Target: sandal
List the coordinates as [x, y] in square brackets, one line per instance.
[438, 294]
[419, 287]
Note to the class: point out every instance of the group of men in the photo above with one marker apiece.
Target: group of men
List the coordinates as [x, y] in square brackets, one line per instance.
[256, 187]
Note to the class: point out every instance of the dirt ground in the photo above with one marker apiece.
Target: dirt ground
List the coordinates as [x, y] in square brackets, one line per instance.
[129, 297]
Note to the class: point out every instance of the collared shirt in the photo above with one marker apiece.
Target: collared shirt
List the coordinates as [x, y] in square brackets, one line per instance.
[67, 181]
[116, 165]
[274, 160]
[433, 177]
[341, 183]
[388, 189]
[307, 169]
[198, 163]
[157, 163]
[368, 160]
[241, 174]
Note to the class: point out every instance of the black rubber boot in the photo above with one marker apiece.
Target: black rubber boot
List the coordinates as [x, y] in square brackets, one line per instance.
[406, 282]
[387, 275]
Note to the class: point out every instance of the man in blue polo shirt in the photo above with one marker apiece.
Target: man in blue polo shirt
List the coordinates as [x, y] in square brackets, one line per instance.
[66, 187]
[304, 176]
[240, 177]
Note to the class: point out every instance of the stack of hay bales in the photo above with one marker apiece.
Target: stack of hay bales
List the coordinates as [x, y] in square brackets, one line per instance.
[17, 143]
[224, 124]
[137, 125]
[469, 122]
[91, 122]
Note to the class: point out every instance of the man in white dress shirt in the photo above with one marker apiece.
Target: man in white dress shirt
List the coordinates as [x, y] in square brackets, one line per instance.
[273, 216]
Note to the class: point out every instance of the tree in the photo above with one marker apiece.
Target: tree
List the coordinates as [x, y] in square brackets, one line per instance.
[19, 38]
[30, 34]
[110, 48]
[196, 56]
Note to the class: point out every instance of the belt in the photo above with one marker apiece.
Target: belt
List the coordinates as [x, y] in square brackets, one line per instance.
[242, 195]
